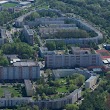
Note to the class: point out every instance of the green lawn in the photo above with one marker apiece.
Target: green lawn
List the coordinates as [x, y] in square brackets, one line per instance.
[12, 90]
[7, 5]
[62, 89]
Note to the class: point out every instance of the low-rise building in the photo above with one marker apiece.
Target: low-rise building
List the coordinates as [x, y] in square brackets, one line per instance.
[106, 46]
[13, 58]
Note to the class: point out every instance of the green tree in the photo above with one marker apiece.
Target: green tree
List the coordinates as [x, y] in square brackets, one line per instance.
[32, 16]
[3, 61]
[71, 107]
[22, 49]
[51, 45]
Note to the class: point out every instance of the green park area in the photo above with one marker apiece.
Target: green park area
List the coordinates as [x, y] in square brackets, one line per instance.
[14, 91]
[53, 89]
[8, 5]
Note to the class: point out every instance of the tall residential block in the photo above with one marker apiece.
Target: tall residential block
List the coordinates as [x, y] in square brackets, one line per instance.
[20, 71]
[28, 34]
[79, 57]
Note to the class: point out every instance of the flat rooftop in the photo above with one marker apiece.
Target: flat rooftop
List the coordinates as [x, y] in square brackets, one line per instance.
[28, 84]
[78, 50]
[4, 1]
[30, 63]
[30, 31]
[91, 78]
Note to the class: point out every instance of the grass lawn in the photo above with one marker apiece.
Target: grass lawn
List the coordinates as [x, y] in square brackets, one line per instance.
[7, 5]
[62, 89]
[12, 90]
[62, 81]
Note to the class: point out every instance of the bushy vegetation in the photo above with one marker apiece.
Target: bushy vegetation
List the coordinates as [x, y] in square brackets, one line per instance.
[56, 45]
[52, 89]
[5, 16]
[32, 16]
[77, 33]
[22, 49]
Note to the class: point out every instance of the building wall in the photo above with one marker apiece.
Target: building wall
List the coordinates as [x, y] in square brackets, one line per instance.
[61, 102]
[4, 102]
[61, 61]
[16, 72]
[91, 82]
[59, 73]
[77, 41]
[28, 87]
[28, 36]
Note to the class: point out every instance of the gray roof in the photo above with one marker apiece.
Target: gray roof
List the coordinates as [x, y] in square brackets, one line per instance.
[24, 3]
[28, 84]
[25, 64]
[91, 78]
[3, 33]
[11, 56]
[63, 72]
[30, 31]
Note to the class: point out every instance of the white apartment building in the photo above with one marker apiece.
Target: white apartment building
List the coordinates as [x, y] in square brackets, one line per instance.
[82, 58]
[28, 87]
[91, 82]
[20, 71]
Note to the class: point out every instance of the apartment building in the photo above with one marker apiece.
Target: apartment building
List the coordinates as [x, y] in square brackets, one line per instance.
[28, 34]
[48, 20]
[91, 82]
[60, 73]
[44, 31]
[62, 25]
[44, 51]
[11, 102]
[61, 102]
[84, 58]
[79, 41]
[20, 70]
[28, 87]
[3, 36]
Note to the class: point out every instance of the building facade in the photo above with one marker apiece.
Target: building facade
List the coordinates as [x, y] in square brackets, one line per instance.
[91, 82]
[60, 73]
[61, 102]
[28, 87]
[3, 36]
[28, 34]
[70, 60]
[10, 102]
[20, 71]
